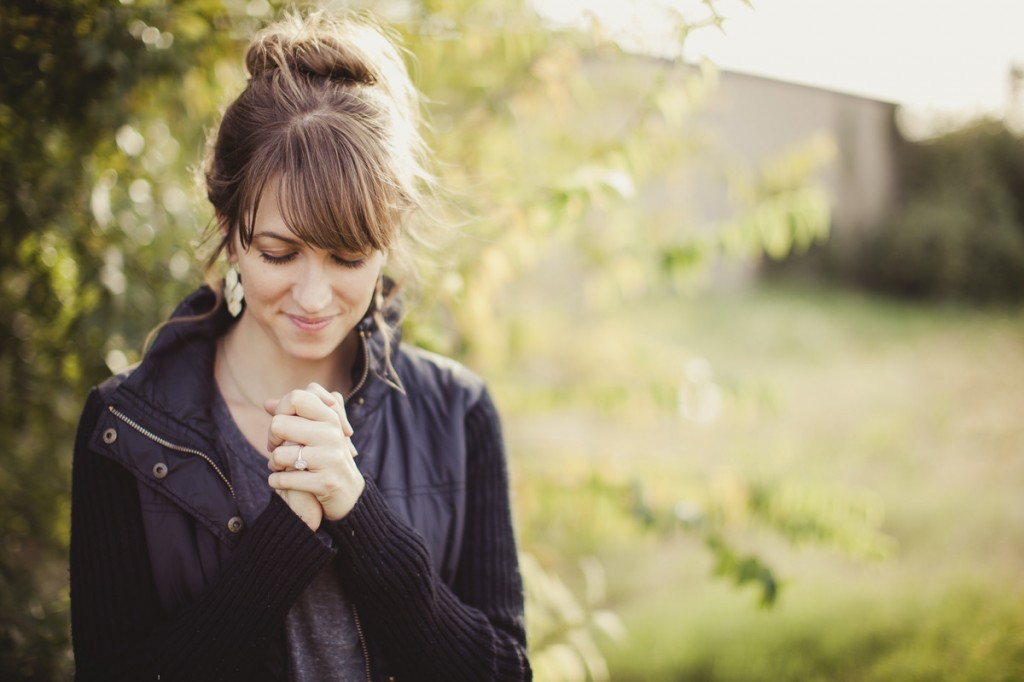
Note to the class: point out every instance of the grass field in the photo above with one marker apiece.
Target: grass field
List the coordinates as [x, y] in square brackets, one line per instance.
[915, 411]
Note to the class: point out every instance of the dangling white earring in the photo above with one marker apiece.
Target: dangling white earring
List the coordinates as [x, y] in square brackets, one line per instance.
[233, 291]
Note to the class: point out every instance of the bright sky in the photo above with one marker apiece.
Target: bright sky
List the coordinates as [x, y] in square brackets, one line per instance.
[936, 57]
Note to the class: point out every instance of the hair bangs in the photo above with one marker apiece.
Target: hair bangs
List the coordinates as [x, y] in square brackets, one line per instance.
[333, 186]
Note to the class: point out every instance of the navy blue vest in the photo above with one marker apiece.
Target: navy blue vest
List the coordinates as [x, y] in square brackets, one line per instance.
[158, 425]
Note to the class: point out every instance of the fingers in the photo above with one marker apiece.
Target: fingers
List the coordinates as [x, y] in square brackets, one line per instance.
[305, 505]
[336, 402]
[297, 402]
[305, 423]
[339, 407]
[322, 393]
[285, 456]
[306, 403]
[286, 428]
[337, 492]
[310, 417]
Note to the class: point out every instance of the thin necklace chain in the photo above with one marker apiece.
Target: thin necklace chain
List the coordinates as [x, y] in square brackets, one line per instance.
[234, 379]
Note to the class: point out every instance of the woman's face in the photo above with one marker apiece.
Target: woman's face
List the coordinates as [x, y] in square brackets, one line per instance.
[304, 300]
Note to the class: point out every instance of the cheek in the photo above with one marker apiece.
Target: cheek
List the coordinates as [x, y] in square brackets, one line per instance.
[359, 285]
[262, 284]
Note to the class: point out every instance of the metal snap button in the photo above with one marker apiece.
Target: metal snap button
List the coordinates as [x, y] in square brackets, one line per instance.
[159, 470]
[235, 524]
[360, 401]
[109, 436]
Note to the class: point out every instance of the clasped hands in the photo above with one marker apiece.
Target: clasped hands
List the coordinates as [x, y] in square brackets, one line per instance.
[314, 420]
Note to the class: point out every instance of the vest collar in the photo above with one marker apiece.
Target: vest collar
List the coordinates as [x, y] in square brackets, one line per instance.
[176, 375]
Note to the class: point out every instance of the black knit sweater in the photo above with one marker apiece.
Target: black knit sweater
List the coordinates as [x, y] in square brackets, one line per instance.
[428, 630]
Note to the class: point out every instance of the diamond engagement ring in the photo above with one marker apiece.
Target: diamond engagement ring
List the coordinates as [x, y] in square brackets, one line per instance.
[300, 464]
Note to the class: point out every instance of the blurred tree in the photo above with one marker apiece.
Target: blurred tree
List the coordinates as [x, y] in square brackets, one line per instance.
[958, 232]
[104, 109]
[75, 73]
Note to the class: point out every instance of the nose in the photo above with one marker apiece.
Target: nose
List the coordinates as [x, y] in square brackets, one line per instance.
[312, 291]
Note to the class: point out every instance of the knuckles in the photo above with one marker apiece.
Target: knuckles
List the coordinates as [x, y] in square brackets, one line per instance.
[277, 424]
[299, 398]
[316, 389]
[309, 402]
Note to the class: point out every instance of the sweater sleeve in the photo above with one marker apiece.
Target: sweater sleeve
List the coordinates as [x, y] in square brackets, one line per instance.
[119, 631]
[472, 630]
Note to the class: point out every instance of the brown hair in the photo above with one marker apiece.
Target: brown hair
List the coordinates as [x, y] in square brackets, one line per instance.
[329, 113]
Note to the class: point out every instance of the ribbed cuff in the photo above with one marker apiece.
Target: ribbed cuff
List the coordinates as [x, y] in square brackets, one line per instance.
[277, 559]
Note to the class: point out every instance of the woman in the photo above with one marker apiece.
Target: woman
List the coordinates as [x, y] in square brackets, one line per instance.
[281, 489]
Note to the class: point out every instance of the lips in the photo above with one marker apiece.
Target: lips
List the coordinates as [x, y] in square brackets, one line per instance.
[310, 324]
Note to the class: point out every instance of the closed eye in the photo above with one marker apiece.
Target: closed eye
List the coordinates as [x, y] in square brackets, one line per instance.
[277, 260]
[353, 263]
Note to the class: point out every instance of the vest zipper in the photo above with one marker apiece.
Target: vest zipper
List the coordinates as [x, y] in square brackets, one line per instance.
[362, 643]
[355, 613]
[366, 366]
[167, 444]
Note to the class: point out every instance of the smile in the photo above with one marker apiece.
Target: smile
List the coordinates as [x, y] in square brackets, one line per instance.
[310, 324]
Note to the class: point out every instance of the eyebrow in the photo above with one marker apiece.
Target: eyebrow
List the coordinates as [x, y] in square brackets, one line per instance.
[280, 237]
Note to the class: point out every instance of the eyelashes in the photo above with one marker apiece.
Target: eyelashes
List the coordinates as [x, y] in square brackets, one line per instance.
[352, 264]
[277, 260]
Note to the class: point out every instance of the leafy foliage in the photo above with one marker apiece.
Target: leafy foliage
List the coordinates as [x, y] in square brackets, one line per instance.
[603, 513]
[75, 74]
[104, 108]
[563, 628]
[959, 231]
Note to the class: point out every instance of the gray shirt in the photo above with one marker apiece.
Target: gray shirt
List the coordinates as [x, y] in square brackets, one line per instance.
[323, 643]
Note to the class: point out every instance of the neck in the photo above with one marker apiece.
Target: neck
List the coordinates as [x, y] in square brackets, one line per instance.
[259, 369]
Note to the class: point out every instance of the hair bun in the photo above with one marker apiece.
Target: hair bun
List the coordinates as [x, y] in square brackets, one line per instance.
[313, 45]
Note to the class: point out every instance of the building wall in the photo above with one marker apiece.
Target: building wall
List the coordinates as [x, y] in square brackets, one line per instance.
[742, 123]
[757, 119]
